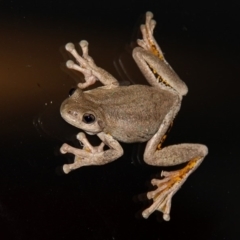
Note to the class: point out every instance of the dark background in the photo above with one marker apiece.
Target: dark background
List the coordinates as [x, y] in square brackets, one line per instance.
[200, 40]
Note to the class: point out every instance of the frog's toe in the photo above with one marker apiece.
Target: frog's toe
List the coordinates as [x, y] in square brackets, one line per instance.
[70, 64]
[64, 148]
[66, 169]
[142, 44]
[162, 198]
[81, 136]
[152, 25]
[149, 15]
[69, 47]
[83, 43]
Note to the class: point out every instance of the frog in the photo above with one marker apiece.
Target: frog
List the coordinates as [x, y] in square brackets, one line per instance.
[129, 114]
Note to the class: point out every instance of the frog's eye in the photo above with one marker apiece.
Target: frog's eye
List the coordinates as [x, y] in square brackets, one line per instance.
[71, 91]
[88, 118]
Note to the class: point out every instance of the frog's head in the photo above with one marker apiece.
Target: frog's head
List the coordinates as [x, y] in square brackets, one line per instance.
[79, 112]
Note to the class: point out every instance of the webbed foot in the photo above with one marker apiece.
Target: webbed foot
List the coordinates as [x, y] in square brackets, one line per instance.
[85, 63]
[84, 156]
[167, 187]
[90, 155]
[148, 42]
[88, 68]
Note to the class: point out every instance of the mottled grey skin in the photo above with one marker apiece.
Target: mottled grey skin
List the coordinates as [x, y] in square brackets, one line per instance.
[117, 109]
[136, 113]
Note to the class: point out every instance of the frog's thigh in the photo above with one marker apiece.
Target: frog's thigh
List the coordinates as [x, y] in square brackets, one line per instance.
[145, 59]
[175, 154]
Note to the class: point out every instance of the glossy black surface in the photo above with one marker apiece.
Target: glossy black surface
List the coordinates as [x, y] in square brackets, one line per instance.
[201, 42]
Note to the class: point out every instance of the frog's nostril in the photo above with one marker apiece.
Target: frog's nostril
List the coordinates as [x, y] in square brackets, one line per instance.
[73, 113]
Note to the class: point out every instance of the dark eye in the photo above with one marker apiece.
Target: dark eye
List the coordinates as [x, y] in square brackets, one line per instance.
[88, 118]
[71, 91]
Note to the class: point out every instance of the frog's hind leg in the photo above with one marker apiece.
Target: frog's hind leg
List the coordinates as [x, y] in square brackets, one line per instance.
[159, 73]
[153, 65]
[172, 181]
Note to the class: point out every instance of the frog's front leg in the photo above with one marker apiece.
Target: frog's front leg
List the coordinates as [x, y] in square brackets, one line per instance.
[88, 68]
[90, 155]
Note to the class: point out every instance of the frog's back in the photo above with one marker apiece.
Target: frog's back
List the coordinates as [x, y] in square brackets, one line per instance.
[132, 113]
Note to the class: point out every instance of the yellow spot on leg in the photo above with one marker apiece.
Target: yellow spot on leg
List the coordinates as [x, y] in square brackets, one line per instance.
[156, 52]
[87, 149]
[177, 177]
[159, 146]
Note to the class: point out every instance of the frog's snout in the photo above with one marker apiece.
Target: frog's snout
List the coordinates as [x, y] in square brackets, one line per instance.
[68, 112]
[72, 113]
